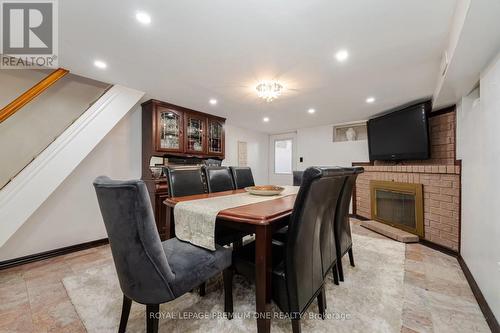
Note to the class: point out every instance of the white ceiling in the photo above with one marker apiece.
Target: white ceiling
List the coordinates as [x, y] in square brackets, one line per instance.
[196, 50]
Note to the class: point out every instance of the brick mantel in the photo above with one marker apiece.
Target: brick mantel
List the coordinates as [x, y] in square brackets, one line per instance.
[440, 177]
[441, 190]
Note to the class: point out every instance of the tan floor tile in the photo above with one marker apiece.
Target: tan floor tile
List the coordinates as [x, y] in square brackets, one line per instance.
[85, 262]
[13, 296]
[42, 295]
[11, 275]
[16, 319]
[405, 329]
[417, 318]
[58, 317]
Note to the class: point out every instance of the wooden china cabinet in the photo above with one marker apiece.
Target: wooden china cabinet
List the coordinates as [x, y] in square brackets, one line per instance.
[172, 131]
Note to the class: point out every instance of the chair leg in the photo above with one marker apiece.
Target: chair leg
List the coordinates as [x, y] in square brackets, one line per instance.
[296, 326]
[202, 291]
[340, 269]
[322, 303]
[237, 244]
[127, 303]
[335, 274]
[228, 292]
[351, 257]
[152, 318]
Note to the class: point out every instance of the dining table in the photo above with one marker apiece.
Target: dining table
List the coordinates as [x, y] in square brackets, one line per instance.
[262, 219]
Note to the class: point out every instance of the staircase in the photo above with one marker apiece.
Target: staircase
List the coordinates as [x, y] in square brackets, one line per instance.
[46, 133]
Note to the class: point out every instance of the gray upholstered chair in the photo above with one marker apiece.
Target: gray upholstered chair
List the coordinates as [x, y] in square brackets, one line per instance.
[151, 272]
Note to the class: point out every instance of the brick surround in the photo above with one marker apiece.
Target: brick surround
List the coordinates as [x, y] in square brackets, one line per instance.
[439, 176]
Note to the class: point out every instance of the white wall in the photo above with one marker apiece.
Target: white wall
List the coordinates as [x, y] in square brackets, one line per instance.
[478, 140]
[316, 146]
[257, 150]
[71, 215]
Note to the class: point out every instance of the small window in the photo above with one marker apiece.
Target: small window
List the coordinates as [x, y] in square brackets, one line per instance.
[283, 156]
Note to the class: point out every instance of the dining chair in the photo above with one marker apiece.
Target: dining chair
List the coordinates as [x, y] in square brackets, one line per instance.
[218, 178]
[149, 271]
[300, 265]
[297, 177]
[182, 182]
[242, 177]
[342, 226]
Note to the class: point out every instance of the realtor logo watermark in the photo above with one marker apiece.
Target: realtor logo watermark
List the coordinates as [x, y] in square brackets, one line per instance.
[29, 34]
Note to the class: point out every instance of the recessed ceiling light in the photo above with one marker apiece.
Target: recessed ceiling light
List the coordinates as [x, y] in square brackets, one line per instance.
[213, 101]
[143, 17]
[100, 64]
[342, 55]
[265, 119]
[370, 100]
[311, 111]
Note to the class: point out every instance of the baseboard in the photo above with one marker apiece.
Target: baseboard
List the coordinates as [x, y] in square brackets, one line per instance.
[483, 305]
[358, 217]
[440, 248]
[52, 253]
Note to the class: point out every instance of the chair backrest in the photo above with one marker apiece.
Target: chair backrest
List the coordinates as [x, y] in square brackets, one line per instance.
[242, 177]
[310, 244]
[140, 261]
[182, 182]
[218, 178]
[297, 177]
[212, 162]
[342, 227]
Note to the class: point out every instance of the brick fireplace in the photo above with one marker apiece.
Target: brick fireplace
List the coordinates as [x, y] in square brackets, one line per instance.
[440, 179]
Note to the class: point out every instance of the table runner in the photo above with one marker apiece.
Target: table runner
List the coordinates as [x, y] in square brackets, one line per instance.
[195, 219]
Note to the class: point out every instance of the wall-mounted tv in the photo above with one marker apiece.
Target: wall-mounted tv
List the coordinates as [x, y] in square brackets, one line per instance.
[400, 134]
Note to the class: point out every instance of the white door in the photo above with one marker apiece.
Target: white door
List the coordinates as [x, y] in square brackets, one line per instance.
[282, 158]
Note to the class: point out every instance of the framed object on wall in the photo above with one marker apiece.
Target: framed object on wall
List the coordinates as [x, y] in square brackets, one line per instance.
[242, 154]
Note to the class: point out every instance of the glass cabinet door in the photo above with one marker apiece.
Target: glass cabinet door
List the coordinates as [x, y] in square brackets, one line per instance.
[215, 137]
[195, 134]
[169, 130]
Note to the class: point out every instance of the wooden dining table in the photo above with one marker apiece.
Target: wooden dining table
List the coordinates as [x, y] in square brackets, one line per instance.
[262, 219]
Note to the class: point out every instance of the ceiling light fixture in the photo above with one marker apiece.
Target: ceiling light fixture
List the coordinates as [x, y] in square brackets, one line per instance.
[269, 90]
[143, 17]
[265, 119]
[311, 111]
[100, 64]
[342, 55]
[213, 101]
[370, 100]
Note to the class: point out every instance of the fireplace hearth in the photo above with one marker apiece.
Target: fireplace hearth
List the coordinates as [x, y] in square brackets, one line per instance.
[399, 205]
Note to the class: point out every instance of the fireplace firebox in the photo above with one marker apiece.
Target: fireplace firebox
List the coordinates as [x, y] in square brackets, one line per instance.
[399, 205]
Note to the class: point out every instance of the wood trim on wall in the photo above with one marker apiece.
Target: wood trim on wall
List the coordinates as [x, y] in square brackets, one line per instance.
[52, 253]
[483, 305]
[31, 93]
[445, 110]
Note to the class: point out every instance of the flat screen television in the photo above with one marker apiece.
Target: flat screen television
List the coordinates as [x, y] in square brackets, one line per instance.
[400, 134]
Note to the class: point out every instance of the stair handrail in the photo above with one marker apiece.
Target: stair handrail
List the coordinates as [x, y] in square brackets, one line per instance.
[31, 93]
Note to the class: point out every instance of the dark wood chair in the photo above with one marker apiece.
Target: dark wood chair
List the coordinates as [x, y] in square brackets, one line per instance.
[242, 177]
[300, 265]
[218, 178]
[342, 226]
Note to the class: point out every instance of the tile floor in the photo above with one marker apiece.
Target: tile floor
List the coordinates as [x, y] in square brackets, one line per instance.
[437, 296]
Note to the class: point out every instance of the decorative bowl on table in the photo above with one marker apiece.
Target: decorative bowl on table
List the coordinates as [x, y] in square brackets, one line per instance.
[265, 190]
